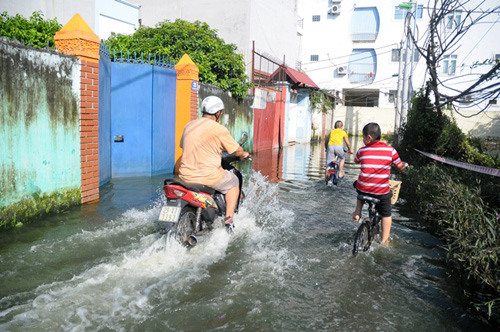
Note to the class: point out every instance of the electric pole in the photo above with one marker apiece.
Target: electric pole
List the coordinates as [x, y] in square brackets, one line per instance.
[405, 100]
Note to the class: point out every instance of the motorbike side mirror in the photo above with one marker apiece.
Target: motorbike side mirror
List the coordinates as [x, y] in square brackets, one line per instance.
[243, 138]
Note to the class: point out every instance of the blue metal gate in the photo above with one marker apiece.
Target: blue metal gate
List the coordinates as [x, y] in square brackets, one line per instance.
[141, 132]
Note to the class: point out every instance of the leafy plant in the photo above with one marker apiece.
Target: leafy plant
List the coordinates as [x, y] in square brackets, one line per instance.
[35, 31]
[321, 100]
[458, 205]
[469, 226]
[218, 62]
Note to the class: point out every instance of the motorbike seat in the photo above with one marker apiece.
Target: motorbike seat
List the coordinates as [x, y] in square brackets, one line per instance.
[196, 187]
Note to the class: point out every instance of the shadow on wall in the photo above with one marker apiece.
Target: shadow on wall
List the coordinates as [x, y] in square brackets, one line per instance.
[487, 130]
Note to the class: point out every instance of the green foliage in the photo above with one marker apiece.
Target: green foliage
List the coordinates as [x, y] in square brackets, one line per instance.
[35, 31]
[428, 131]
[458, 205]
[422, 130]
[218, 62]
[36, 206]
[321, 100]
[470, 228]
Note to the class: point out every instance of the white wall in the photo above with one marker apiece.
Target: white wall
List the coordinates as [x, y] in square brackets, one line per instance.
[272, 24]
[63, 10]
[114, 15]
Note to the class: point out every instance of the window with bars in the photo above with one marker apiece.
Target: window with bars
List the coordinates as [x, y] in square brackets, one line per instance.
[395, 55]
[449, 64]
[316, 18]
[400, 13]
[314, 57]
[365, 23]
[362, 66]
[454, 19]
[392, 96]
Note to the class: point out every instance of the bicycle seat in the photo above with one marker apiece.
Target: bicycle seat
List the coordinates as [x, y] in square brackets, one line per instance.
[370, 199]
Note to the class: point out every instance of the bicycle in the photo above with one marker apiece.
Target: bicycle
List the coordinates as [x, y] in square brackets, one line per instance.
[333, 169]
[370, 226]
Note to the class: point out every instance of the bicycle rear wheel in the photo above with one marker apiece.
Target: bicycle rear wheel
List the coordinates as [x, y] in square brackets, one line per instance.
[362, 239]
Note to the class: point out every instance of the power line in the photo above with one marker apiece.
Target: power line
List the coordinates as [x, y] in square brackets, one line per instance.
[345, 56]
[343, 63]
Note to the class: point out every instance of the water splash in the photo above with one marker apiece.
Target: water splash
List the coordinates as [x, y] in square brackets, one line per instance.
[139, 277]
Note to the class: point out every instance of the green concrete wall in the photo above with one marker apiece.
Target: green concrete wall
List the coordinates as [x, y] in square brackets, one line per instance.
[237, 116]
[39, 132]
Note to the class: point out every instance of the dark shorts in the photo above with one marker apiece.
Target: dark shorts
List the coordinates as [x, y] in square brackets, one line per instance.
[384, 208]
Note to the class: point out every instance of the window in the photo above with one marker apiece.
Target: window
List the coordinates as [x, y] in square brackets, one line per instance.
[493, 102]
[453, 19]
[449, 64]
[392, 97]
[467, 99]
[361, 98]
[314, 57]
[316, 18]
[395, 55]
[496, 56]
[365, 23]
[362, 66]
[400, 13]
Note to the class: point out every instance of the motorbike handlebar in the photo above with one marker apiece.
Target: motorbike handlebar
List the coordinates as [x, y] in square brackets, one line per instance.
[232, 157]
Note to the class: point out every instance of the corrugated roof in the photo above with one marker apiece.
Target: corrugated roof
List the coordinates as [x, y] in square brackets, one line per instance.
[293, 76]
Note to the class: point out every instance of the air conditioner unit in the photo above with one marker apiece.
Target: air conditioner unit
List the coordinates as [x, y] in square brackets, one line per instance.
[342, 70]
[335, 9]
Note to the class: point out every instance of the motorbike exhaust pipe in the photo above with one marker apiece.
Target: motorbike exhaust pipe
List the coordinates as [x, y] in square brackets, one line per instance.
[192, 240]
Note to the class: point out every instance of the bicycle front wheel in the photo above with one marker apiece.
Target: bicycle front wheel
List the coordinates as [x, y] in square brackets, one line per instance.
[362, 239]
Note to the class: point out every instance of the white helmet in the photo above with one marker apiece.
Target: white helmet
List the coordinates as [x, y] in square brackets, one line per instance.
[212, 105]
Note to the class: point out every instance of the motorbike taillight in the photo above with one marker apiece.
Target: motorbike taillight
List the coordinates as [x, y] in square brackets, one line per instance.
[179, 193]
[174, 192]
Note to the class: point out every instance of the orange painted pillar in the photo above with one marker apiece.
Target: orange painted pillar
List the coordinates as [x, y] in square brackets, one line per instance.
[186, 107]
[77, 38]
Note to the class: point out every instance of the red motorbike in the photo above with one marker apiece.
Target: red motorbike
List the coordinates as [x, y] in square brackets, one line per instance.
[191, 209]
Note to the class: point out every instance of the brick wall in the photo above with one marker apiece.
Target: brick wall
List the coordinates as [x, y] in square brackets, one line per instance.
[194, 105]
[89, 130]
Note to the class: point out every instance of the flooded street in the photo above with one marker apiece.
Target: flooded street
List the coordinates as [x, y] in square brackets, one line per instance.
[288, 267]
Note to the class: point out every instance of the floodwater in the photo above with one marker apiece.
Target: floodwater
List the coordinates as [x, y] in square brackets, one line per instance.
[288, 267]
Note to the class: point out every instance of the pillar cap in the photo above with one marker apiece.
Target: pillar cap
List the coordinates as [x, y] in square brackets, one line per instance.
[187, 69]
[77, 38]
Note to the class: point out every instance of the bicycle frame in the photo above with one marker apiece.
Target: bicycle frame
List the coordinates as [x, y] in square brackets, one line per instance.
[369, 227]
[332, 169]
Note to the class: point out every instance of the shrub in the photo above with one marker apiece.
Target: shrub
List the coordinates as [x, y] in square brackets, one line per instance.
[218, 62]
[469, 227]
[35, 31]
[458, 205]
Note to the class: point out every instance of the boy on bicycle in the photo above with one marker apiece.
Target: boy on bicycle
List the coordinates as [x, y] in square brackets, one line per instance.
[376, 159]
[335, 148]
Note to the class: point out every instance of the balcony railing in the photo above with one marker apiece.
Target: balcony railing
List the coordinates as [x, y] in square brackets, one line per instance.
[364, 37]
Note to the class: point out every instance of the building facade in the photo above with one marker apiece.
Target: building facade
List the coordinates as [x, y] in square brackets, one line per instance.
[357, 50]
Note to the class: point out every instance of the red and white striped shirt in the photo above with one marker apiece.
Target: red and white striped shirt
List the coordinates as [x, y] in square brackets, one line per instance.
[376, 160]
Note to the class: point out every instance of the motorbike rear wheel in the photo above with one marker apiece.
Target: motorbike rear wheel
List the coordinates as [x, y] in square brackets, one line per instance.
[362, 240]
[185, 227]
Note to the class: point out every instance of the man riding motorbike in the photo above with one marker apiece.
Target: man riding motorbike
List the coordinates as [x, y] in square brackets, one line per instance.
[203, 142]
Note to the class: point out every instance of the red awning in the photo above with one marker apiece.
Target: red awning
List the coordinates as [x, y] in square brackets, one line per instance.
[293, 76]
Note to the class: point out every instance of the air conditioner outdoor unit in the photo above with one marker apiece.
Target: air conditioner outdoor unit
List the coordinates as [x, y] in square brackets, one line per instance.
[342, 70]
[335, 9]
